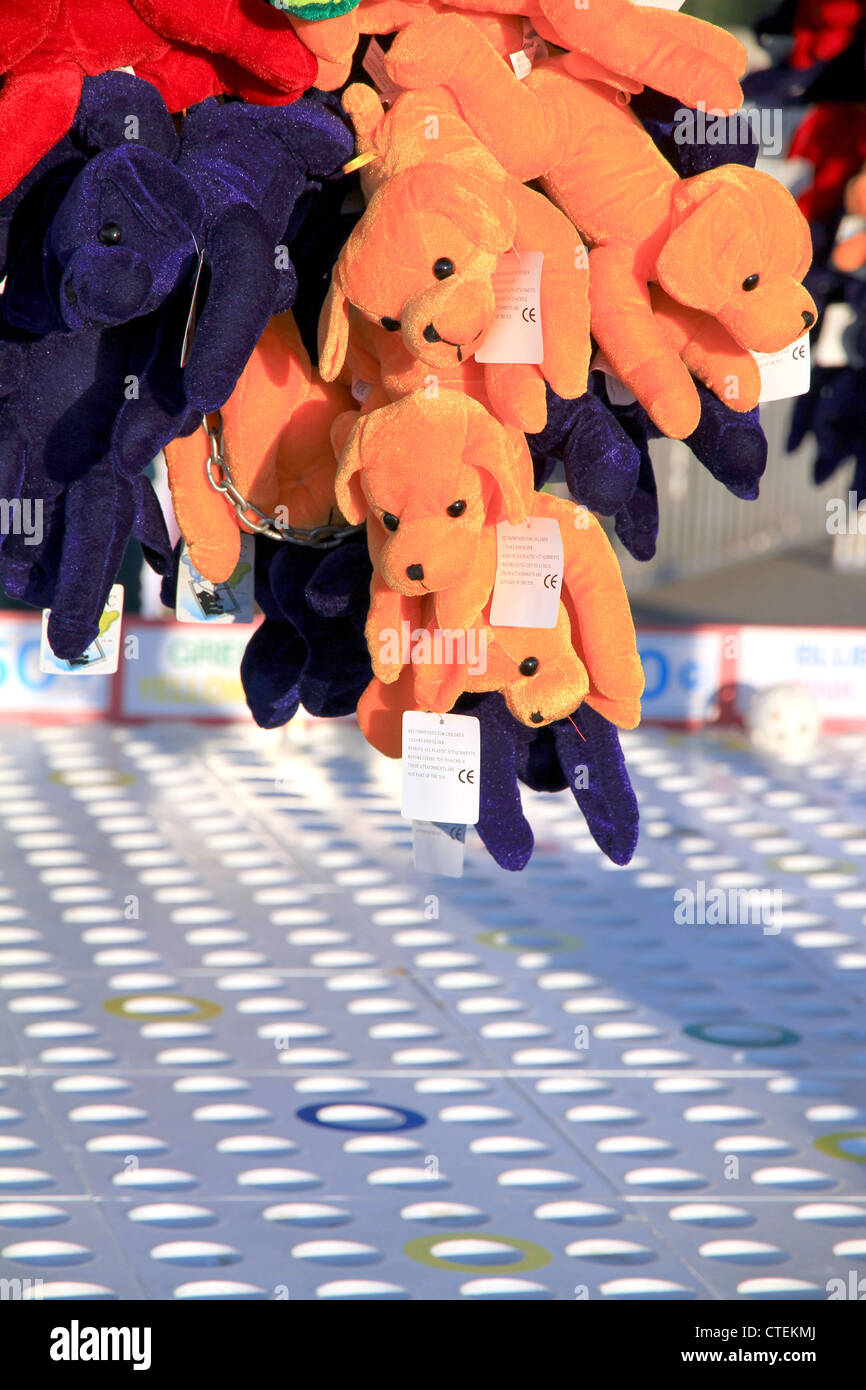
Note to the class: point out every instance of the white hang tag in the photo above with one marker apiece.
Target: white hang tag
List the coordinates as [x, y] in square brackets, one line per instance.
[528, 574]
[441, 767]
[199, 600]
[522, 64]
[515, 334]
[189, 330]
[786, 373]
[617, 391]
[102, 656]
[831, 349]
[438, 848]
[360, 389]
[373, 64]
[852, 224]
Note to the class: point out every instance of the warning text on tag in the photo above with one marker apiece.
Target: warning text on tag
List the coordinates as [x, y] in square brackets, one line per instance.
[441, 767]
[786, 373]
[515, 333]
[528, 574]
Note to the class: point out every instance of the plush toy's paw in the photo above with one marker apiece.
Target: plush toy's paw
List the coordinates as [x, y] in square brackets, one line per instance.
[271, 669]
[380, 713]
[595, 769]
[426, 53]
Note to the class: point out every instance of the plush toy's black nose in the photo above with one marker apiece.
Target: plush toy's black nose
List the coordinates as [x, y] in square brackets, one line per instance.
[415, 571]
[808, 317]
[537, 717]
[430, 334]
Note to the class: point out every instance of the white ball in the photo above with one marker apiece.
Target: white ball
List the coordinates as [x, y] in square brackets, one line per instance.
[784, 722]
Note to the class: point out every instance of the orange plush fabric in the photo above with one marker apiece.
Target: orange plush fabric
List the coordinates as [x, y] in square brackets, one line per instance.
[674, 53]
[277, 445]
[516, 396]
[729, 245]
[850, 254]
[420, 262]
[432, 538]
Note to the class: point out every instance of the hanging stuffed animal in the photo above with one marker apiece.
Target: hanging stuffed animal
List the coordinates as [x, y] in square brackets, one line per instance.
[276, 442]
[451, 211]
[433, 544]
[728, 248]
[674, 53]
[188, 51]
[123, 245]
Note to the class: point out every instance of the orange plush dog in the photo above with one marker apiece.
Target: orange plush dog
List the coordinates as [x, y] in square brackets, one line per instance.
[728, 248]
[421, 261]
[685, 57]
[276, 444]
[433, 544]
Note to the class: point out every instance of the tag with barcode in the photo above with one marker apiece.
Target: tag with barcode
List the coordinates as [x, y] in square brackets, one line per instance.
[200, 600]
[617, 391]
[441, 767]
[528, 574]
[102, 656]
[438, 848]
[786, 373]
[515, 334]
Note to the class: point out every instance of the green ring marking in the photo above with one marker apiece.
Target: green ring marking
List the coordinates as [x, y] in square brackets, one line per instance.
[205, 1008]
[830, 1144]
[114, 779]
[534, 1257]
[784, 1038]
[563, 941]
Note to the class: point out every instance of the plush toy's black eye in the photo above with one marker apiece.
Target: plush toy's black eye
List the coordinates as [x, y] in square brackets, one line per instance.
[392, 325]
[390, 521]
[443, 268]
[110, 234]
[456, 508]
[750, 282]
[528, 666]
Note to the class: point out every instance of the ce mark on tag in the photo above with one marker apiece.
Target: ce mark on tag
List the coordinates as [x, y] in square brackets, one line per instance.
[528, 314]
[466, 774]
[551, 581]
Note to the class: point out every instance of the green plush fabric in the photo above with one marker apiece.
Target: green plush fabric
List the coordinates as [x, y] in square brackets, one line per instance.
[315, 9]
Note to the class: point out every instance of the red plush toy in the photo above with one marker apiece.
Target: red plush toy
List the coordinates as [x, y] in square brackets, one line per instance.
[823, 29]
[189, 51]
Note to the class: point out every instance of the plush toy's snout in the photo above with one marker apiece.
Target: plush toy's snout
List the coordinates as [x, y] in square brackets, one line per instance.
[101, 287]
[448, 320]
[123, 238]
[770, 317]
[430, 552]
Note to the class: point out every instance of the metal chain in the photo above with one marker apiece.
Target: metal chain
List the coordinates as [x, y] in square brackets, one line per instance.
[218, 475]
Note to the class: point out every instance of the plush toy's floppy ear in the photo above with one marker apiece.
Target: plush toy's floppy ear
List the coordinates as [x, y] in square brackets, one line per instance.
[490, 448]
[697, 262]
[346, 432]
[333, 329]
[484, 214]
